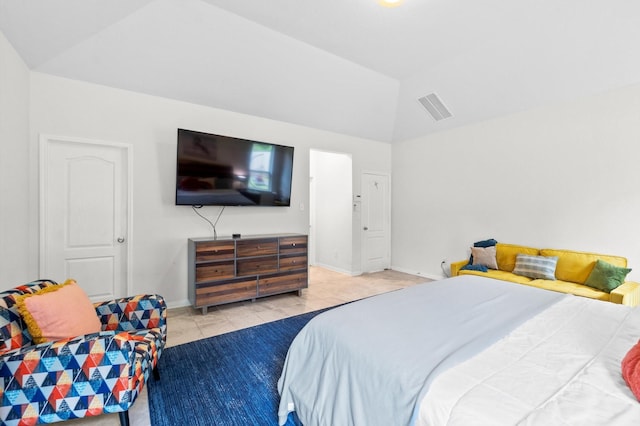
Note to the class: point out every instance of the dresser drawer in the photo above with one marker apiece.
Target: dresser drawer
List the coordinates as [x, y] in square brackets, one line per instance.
[282, 283]
[214, 250]
[293, 245]
[256, 266]
[225, 292]
[251, 248]
[215, 271]
[293, 262]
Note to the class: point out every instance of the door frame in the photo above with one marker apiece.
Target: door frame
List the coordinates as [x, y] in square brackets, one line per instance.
[45, 142]
[363, 239]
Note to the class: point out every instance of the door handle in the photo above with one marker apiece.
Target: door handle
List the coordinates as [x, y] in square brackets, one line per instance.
[120, 240]
[366, 228]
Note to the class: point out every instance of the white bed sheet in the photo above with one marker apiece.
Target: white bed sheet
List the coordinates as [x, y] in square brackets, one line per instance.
[562, 367]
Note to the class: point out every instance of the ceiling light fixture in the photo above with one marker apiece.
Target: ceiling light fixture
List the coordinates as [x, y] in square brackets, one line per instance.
[390, 3]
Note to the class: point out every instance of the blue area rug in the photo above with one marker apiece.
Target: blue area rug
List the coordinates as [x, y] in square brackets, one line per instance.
[229, 379]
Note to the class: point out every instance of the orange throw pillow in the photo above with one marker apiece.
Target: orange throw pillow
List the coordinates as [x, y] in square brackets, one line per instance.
[58, 312]
[631, 369]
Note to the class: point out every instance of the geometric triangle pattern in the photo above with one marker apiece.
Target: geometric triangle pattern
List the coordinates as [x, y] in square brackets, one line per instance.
[13, 332]
[82, 376]
[140, 312]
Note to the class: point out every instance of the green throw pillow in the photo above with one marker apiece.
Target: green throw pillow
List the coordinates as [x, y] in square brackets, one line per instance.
[606, 277]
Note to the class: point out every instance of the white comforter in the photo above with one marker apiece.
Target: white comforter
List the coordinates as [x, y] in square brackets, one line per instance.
[560, 368]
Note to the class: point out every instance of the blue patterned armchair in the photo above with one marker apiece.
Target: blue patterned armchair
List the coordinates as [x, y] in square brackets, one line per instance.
[81, 376]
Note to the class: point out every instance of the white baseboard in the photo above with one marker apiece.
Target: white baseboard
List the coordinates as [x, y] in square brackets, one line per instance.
[419, 274]
[334, 269]
[178, 304]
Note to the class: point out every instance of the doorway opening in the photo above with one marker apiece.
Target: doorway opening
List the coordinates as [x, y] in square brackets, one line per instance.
[330, 210]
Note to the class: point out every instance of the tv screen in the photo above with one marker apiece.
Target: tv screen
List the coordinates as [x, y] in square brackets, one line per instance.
[216, 170]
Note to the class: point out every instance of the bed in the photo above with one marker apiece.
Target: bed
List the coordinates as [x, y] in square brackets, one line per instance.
[463, 351]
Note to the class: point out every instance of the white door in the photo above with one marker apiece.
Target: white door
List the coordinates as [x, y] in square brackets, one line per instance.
[85, 205]
[376, 223]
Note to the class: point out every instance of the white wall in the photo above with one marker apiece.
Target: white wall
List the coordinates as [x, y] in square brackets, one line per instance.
[160, 230]
[333, 246]
[564, 176]
[18, 244]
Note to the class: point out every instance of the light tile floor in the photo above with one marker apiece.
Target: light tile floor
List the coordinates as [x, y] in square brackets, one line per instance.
[326, 289]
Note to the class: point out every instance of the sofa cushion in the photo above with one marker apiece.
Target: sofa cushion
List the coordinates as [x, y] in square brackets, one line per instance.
[606, 277]
[570, 288]
[498, 275]
[58, 312]
[536, 266]
[576, 266]
[506, 255]
[484, 256]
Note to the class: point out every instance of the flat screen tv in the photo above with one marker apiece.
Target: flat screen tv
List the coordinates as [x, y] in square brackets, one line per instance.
[216, 170]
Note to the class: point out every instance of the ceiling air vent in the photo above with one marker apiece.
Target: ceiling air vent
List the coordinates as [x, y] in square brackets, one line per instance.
[435, 107]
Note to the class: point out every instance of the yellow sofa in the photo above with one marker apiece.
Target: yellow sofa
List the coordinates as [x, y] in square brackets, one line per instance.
[572, 270]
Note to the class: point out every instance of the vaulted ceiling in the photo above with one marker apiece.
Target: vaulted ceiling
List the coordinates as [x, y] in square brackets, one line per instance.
[347, 66]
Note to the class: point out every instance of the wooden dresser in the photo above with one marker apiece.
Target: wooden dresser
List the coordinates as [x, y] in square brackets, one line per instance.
[230, 270]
